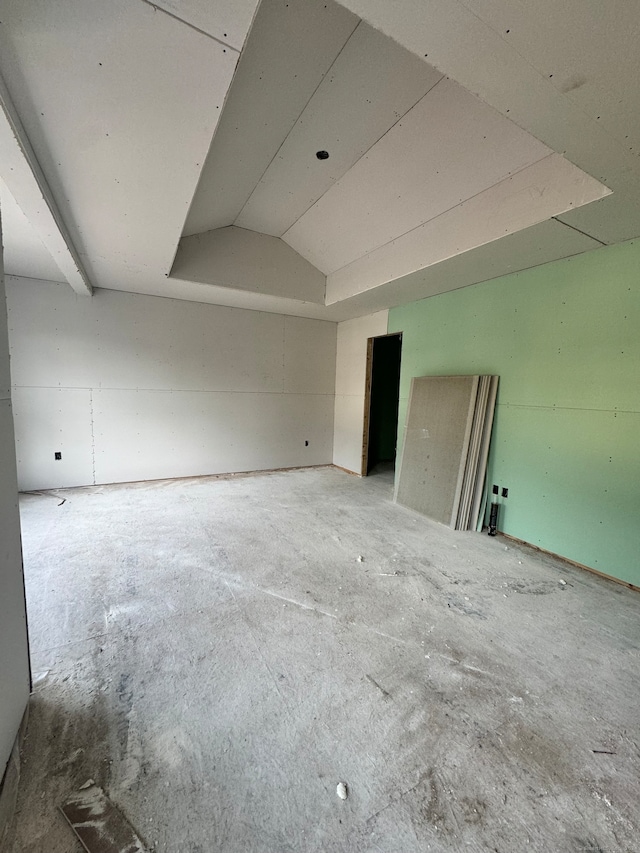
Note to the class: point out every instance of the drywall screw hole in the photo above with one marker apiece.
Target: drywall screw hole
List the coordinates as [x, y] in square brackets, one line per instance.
[322, 155]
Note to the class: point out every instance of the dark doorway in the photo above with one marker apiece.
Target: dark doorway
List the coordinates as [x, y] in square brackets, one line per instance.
[381, 403]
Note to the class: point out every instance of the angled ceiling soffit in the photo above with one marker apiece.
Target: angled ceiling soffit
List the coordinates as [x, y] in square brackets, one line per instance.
[245, 260]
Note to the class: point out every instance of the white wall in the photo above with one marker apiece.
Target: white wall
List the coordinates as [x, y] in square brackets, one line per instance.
[351, 361]
[14, 655]
[132, 387]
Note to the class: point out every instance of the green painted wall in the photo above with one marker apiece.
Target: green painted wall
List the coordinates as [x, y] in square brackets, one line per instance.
[565, 340]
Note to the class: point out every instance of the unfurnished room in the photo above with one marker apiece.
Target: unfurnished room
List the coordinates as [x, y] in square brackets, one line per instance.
[320, 426]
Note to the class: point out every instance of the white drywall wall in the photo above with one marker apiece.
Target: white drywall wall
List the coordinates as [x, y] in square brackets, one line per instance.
[131, 387]
[351, 362]
[14, 654]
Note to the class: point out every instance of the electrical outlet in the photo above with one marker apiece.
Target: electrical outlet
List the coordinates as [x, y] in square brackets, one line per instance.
[57, 456]
[505, 492]
[494, 489]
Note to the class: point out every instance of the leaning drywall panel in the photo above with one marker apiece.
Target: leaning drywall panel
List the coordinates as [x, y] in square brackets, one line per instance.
[351, 368]
[436, 440]
[143, 435]
[50, 421]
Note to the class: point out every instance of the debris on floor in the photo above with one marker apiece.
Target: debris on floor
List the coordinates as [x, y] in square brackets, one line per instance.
[341, 790]
[99, 825]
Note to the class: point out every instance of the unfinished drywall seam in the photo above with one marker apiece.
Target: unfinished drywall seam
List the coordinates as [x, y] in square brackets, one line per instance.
[93, 441]
[191, 26]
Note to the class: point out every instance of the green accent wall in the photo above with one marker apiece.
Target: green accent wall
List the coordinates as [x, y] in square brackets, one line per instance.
[565, 340]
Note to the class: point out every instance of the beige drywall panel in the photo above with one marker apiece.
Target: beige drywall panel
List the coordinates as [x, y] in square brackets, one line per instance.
[143, 435]
[131, 387]
[290, 48]
[351, 366]
[536, 193]
[372, 83]
[435, 445]
[50, 421]
[242, 259]
[445, 150]
[304, 372]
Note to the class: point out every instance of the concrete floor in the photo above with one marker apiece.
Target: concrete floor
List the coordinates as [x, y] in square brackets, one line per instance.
[213, 653]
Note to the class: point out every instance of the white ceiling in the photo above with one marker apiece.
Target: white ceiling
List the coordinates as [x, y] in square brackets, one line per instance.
[441, 119]
[368, 88]
[447, 149]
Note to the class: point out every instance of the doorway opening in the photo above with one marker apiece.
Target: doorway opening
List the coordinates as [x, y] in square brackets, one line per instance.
[382, 392]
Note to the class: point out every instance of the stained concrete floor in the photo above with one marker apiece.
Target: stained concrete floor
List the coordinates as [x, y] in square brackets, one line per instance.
[215, 655]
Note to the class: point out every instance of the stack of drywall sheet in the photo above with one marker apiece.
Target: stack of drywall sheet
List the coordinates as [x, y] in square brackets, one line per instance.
[445, 448]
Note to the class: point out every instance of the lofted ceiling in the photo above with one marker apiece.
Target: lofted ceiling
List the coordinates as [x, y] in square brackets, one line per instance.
[176, 144]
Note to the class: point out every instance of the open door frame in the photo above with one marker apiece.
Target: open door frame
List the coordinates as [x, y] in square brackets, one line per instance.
[364, 460]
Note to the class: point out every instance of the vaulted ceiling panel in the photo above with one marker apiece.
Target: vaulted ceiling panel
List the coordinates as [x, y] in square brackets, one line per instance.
[473, 43]
[548, 187]
[291, 47]
[119, 102]
[448, 148]
[547, 241]
[226, 20]
[370, 86]
[604, 81]
[128, 108]
[245, 260]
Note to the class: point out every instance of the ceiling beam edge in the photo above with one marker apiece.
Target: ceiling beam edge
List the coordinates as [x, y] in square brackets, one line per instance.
[26, 182]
